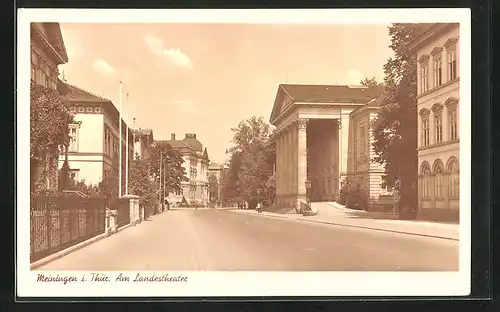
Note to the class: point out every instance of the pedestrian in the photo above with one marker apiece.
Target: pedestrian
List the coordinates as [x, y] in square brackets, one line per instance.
[259, 207]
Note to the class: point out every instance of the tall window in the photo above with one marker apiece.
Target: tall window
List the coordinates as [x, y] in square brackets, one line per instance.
[425, 176]
[425, 131]
[437, 72]
[34, 65]
[454, 179]
[438, 180]
[362, 141]
[424, 77]
[452, 119]
[438, 124]
[452, 64]
[73, 135]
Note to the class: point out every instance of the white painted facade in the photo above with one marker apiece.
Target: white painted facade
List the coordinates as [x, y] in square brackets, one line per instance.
[438, 56]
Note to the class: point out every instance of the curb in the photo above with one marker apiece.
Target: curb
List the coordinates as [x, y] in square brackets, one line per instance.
[76, 247]
[379, 229]
[360, 227]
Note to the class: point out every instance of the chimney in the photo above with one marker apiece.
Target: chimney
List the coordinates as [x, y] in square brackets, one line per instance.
[172, 136]
[190, 136]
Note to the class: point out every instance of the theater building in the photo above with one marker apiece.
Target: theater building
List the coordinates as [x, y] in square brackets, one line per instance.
[323, 136]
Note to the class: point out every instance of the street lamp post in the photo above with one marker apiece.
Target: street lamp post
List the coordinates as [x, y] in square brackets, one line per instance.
[308, 192]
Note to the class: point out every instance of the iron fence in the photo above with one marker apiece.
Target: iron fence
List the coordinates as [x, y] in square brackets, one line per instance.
[57, 223]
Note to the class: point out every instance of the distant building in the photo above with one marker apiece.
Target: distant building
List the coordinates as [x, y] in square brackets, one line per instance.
[94, 145]
[47, 53]
[196, 161]
[143, 140]
[438, 54]
[324, 136]
[218, 171]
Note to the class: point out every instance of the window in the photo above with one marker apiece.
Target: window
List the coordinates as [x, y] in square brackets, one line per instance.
[73, 174]
[452, 64]
[454, 178]
[425, 180]
[425, 131]
[438, 180]
[452, 119]
[73, 143]
[97, 110]
[362, 141]
[424, 77]
[34, 65]
[89, 109]
[438, 128]
[81, 109]
[437, 72]
[72, 109]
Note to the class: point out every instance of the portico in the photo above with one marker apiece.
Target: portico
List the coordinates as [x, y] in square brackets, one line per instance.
[312, 140]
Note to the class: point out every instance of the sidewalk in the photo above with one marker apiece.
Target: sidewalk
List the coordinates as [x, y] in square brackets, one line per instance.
[334, 214]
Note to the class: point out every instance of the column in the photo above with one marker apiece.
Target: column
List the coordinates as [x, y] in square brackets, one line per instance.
[293, 168]
[301, 161]
[288, 161]
[279, 168]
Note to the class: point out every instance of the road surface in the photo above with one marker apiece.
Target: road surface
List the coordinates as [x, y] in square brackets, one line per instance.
[223, 240]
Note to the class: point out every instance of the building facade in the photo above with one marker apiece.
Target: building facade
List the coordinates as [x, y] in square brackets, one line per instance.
[217, 170]
[362, 171]
[316, 125]
[47, 52]
[94, 137]
[438, 58]
[196, 162]
[143, 141]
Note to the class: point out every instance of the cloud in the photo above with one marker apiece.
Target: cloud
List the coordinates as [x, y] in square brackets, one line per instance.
[103, 66]
[186, 107]
[354, 77]
[173, 55]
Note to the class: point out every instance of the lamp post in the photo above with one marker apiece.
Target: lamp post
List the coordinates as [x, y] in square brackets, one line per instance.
[308, 192]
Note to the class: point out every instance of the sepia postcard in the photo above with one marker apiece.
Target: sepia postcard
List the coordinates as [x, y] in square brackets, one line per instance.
[202, 153]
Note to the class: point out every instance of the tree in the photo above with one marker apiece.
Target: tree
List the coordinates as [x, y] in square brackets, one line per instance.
[252, 160]
[213, 185]
[175, 173]
[49, 129]
[142, 183]
[395, 127]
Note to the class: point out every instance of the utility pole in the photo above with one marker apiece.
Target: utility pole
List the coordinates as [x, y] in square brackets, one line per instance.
[160, 191]
[127, 147]
[121, 155]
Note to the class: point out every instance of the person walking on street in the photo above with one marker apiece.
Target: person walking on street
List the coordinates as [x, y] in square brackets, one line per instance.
[259, 207]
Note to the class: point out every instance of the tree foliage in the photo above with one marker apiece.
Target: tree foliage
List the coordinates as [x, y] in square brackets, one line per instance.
[142, 182]
[49, 121]
[395, 127]
[175, 173]
[252, 158]
[213, 187]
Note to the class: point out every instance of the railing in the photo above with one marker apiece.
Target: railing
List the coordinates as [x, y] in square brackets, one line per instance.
[57, 223]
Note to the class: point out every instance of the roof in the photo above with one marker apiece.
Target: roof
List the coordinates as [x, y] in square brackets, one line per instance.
[75, 94]
[428, 32]
[53, 36]
[290, 94]
[374, 104]
[194, 144]
[330, 93]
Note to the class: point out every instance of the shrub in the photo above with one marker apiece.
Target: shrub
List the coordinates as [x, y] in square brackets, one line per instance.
[357, 199]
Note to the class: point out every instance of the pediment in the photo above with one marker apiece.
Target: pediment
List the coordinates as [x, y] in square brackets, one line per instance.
[424, 58]
[450, 42]
[436, 50]
[282, 102]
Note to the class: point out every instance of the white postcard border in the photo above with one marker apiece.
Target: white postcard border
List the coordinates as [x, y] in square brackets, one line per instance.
[246, 283]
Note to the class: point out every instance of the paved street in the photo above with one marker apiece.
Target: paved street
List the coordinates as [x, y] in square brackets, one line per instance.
[219, 239]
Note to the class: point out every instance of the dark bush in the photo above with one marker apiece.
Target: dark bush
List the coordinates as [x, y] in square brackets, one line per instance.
[343, 194]
[357, 199]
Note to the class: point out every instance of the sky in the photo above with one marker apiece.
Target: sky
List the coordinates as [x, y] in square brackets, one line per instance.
[206, 78]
